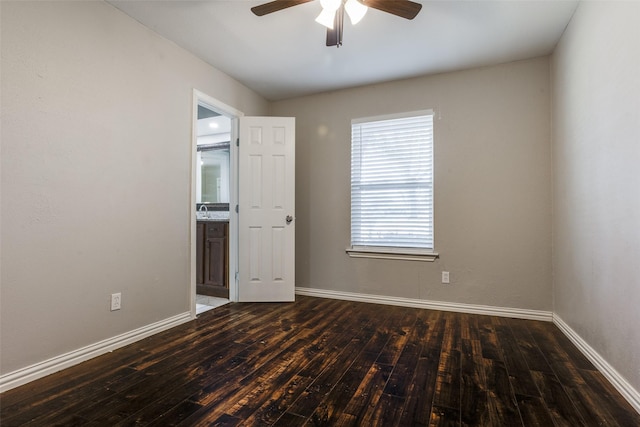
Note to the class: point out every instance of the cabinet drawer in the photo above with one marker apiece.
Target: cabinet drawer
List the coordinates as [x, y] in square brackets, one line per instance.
[216, 229]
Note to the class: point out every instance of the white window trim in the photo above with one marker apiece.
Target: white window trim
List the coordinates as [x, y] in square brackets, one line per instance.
[405, 254]
[393, 253]
[428, 112]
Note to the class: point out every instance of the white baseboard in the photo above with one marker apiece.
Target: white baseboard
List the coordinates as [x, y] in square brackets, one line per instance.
[519, 313]
[58, 363]
[618, 381]
[628, 392]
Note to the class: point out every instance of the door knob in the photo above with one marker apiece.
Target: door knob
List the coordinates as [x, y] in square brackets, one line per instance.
[289, 219]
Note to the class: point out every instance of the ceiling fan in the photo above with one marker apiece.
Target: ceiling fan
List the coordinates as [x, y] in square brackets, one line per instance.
[332, 15]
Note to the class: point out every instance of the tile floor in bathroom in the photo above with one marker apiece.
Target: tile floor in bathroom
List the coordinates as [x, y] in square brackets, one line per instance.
[204, 303]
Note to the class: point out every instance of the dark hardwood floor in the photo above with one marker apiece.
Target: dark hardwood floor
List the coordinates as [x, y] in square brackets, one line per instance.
[330, 363]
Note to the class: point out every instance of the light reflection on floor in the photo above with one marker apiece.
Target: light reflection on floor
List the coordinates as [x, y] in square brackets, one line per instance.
[205, 303]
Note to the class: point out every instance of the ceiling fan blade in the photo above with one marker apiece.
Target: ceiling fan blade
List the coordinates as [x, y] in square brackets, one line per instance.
[334, 37]
[403, 8]
[276, 5]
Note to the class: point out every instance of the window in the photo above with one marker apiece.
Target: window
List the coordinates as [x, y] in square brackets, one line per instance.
[392, 186]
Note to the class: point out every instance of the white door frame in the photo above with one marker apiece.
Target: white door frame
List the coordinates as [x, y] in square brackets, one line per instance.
[234, 114]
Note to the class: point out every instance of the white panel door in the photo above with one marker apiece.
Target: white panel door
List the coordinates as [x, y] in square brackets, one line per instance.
[266, 216]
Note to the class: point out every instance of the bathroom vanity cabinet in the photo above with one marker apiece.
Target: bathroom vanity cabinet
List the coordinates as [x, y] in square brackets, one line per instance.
[212, 253]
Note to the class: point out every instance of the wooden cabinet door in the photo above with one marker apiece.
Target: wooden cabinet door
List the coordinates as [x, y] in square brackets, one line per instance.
[215, 253]
[215, 260]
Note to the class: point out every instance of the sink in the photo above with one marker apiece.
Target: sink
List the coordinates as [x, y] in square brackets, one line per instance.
[213, 216]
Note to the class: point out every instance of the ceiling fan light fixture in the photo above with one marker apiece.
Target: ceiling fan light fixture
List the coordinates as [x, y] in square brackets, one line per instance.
[355, 10]
[326, 18]
[332, 15]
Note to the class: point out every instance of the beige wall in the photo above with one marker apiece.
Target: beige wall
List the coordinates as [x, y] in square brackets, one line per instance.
[492, 187]
[596, 138]
[96, 152]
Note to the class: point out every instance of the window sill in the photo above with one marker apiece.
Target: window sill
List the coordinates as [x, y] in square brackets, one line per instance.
[393, 253]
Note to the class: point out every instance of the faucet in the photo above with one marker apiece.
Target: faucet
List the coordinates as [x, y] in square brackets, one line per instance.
[206, 210]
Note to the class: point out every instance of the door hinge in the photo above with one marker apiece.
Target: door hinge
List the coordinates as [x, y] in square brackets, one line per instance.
[237, 209]
[237, 142]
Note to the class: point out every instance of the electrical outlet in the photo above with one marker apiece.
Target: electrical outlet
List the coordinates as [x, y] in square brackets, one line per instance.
[116, 301]
[445, 277]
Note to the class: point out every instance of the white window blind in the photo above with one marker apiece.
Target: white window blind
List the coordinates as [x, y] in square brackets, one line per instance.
[392, 181]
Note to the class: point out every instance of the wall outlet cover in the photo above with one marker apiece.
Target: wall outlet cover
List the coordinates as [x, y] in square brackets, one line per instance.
[116, 301]
[445, 277]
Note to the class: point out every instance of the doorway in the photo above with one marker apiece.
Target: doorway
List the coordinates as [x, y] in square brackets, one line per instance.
[214, 231]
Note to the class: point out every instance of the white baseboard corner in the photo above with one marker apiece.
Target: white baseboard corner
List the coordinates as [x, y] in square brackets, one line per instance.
[58, 363]
[519, 313]
[618, 381]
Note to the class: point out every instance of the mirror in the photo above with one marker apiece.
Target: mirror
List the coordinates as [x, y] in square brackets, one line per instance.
[212, 178]
[212, 158]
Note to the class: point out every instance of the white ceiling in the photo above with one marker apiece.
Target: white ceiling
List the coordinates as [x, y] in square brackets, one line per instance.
[283, 55]
[214, 126]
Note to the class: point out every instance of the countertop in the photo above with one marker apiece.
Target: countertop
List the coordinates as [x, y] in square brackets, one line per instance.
[213, 216]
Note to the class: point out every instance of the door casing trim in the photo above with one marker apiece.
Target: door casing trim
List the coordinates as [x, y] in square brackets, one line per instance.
[234, 114]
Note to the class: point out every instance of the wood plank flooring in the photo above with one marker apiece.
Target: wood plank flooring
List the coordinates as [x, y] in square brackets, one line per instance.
[323, 362]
